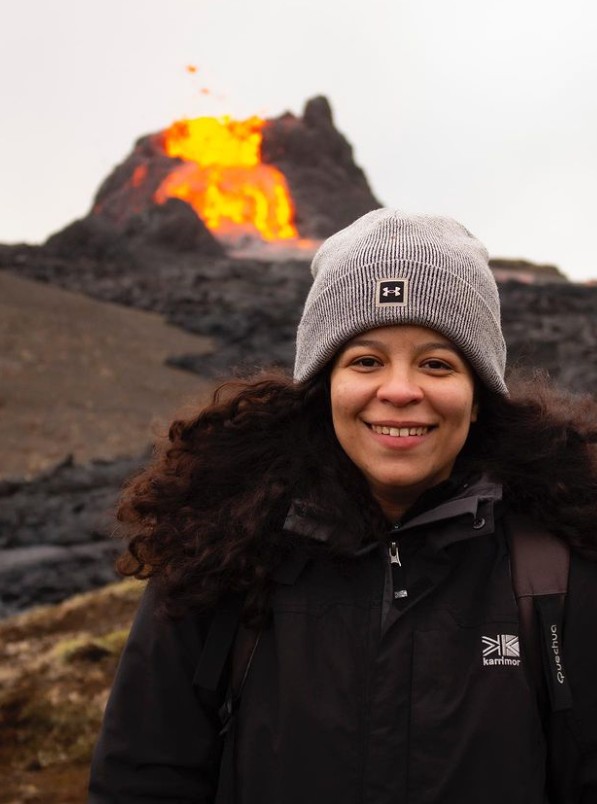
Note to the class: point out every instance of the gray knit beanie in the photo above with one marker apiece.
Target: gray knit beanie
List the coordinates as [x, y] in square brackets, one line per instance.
[390, 268]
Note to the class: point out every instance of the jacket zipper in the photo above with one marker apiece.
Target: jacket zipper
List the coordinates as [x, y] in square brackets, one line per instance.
[398, 586]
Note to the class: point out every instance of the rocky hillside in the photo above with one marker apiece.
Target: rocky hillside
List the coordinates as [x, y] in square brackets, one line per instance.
[56, 668]
[85, 389]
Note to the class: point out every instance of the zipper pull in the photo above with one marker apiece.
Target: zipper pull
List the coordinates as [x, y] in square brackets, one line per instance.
[397, 573]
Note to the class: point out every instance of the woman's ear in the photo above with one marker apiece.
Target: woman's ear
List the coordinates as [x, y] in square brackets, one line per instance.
[474, 412]
[477, 392]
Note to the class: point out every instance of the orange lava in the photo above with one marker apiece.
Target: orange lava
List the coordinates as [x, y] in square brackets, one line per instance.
[139, 175]
[223, 178]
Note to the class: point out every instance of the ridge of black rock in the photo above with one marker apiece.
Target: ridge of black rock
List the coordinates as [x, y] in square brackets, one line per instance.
[328, 188]
[251, 308]
[56, 532]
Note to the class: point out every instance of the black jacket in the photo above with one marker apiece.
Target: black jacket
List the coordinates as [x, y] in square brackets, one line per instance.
[357, 698]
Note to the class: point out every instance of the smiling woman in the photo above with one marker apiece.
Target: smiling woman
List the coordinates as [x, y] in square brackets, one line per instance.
[402, 403]
[340, 541]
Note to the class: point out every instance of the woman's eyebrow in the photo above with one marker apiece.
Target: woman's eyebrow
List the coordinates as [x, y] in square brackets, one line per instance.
[369, 342]
[424, 347]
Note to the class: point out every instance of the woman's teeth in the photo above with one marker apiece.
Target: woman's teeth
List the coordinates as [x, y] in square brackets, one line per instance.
[399, 432]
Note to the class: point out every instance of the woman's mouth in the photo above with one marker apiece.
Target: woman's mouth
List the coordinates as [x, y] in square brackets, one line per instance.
[400, 432]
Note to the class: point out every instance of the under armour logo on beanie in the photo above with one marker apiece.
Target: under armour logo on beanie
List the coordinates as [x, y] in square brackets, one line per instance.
[392, 291]
[389, 268]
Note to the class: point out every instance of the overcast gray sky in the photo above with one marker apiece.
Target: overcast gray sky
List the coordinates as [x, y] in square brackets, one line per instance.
[485, 111]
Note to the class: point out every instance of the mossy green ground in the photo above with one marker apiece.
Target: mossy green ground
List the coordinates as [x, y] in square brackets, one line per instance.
[56, 668]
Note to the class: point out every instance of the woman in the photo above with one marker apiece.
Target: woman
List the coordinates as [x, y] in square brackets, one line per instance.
[360, 516]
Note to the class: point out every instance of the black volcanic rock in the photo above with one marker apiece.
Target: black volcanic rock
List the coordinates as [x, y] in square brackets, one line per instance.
[127, 190]
[173, 226]
[36, 575]
[92, 237]
[125, 218]
[35, 512]
[552, 327]
[252, 307]
[56, 532]
[505, 269]
[329, 190]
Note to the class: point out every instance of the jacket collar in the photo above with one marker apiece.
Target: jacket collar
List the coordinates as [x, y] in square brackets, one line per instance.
[468, 510]
[471, 512]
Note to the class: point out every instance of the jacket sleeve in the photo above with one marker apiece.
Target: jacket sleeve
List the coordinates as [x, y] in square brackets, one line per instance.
[159, 738]
[573, 749]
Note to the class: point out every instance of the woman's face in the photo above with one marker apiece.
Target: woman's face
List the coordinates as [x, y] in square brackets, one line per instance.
[402, 400]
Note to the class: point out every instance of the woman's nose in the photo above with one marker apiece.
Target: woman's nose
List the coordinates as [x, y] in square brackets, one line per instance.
[399, 387]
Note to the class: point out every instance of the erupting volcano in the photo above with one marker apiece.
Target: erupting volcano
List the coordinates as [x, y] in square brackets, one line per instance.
[224, 180]
[207, 184]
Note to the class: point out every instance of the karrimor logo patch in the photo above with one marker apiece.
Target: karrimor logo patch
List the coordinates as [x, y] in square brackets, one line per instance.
[502, 650]
[393, 292]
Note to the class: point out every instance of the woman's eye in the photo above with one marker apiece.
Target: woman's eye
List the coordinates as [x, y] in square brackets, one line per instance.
[437, 365]
[365, 362]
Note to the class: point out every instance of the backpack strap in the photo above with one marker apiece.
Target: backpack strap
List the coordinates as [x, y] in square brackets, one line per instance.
[229, 647]
[540, 565]
[233, 640]
[243, 651]
[218, 644]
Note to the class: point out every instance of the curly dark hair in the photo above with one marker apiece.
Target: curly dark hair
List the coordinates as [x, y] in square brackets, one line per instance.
[541, 444]
[205, 518]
